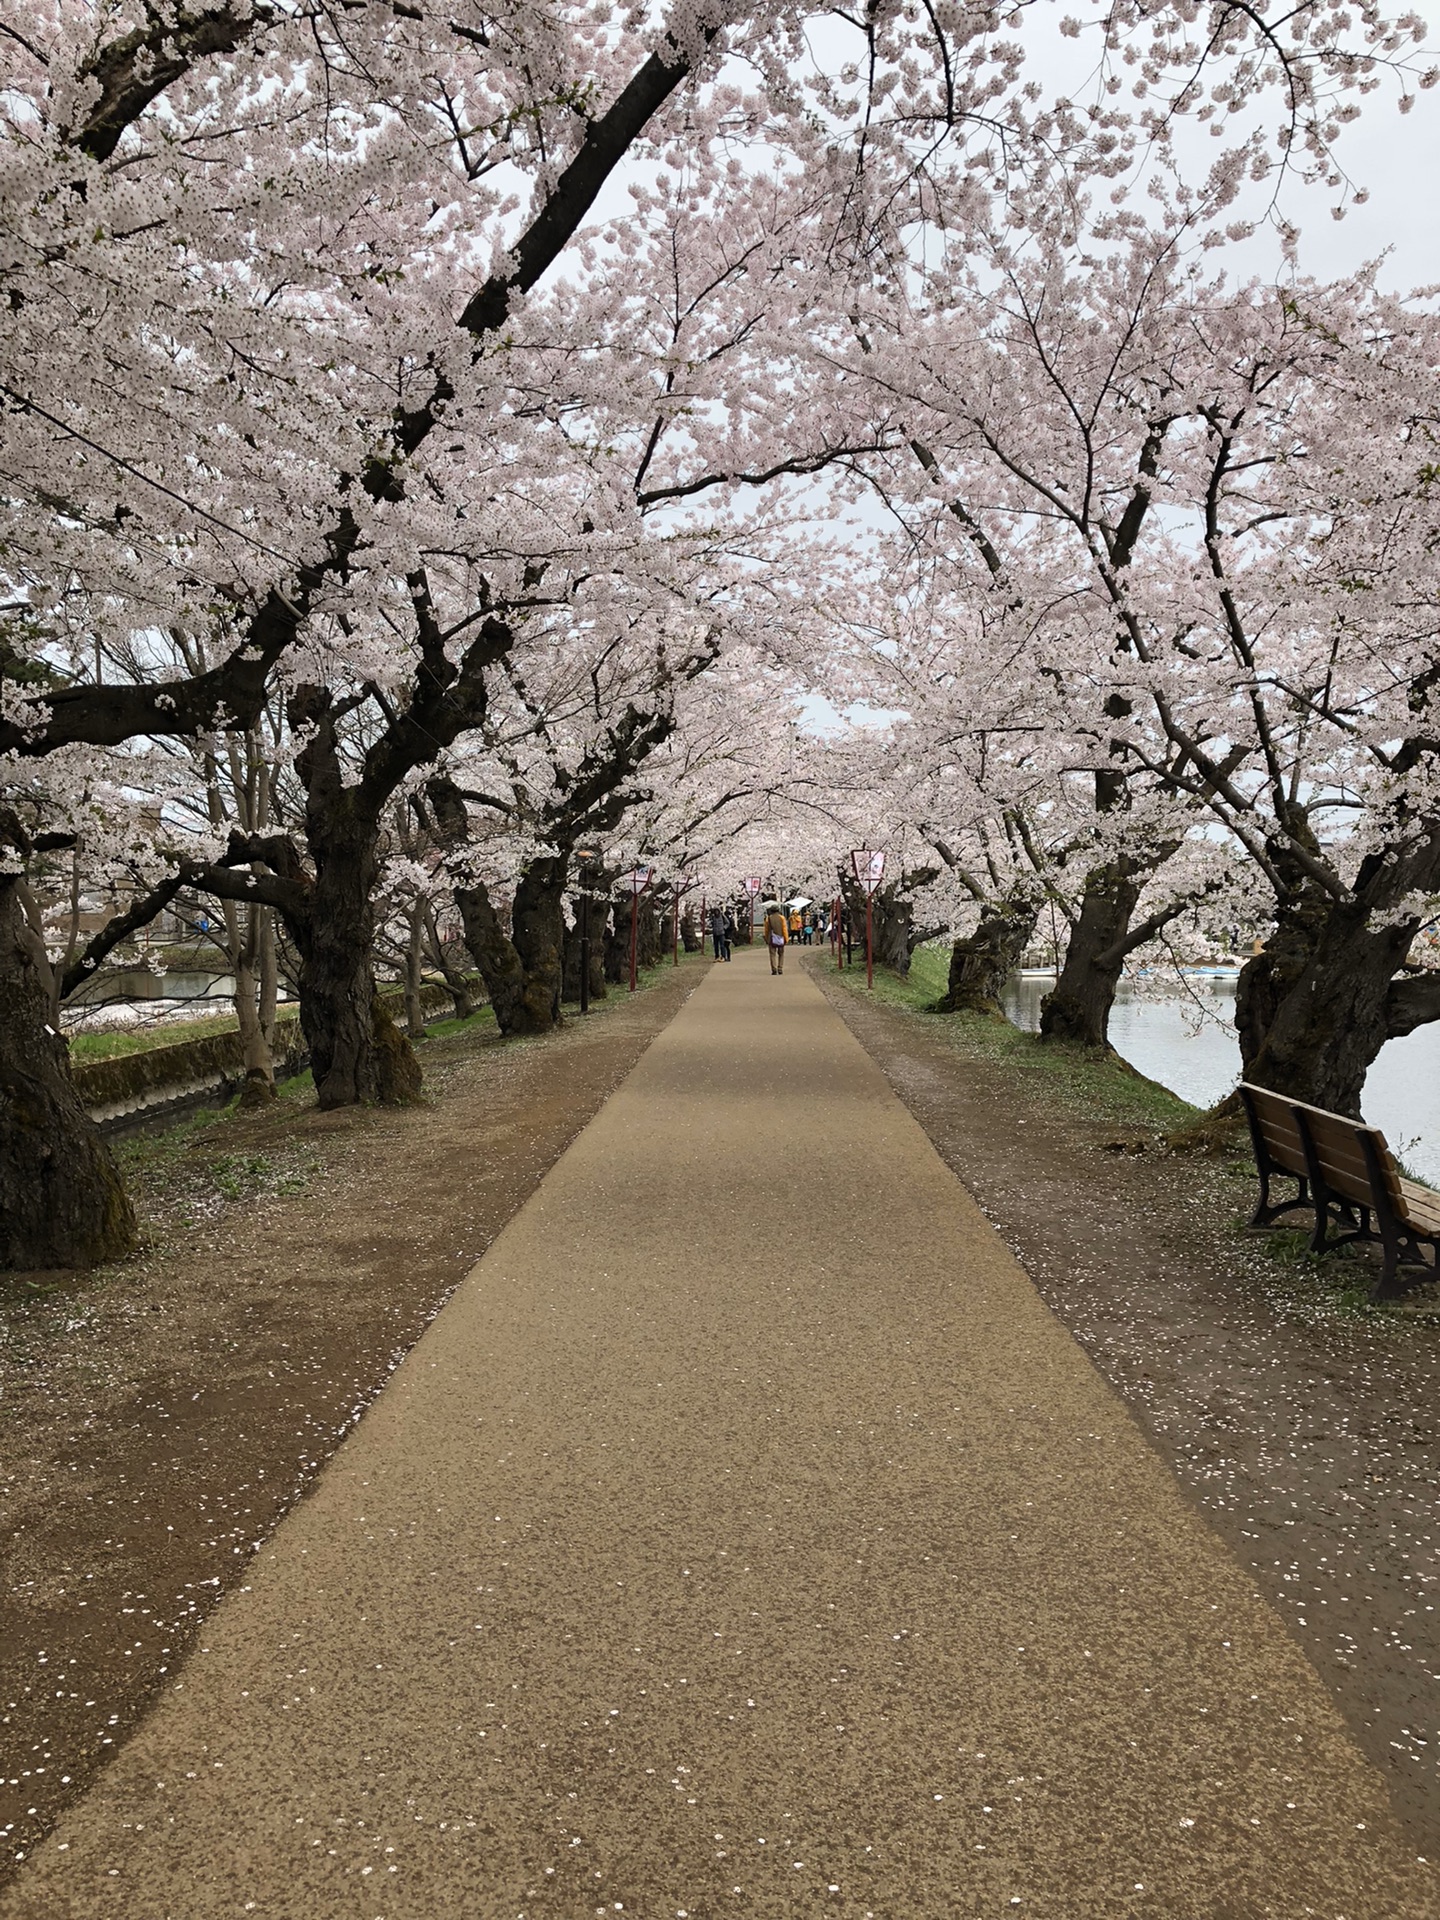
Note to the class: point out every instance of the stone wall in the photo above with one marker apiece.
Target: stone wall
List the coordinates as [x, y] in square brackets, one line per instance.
[150, 1082]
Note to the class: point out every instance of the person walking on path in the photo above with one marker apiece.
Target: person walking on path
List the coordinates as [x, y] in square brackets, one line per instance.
[777, 933]
[720, 933]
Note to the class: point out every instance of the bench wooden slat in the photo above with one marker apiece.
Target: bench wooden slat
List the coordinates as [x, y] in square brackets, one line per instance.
[1343, 1169]
[1337, 1143]
[1420, 1206]
[1284, 1142]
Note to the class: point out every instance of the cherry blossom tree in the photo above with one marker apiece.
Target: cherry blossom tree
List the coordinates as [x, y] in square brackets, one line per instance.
[1212, 505]
[274, 368]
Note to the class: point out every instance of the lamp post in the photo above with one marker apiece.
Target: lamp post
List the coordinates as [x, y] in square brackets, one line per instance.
[869, 872]
[588, 860]
[640, 878]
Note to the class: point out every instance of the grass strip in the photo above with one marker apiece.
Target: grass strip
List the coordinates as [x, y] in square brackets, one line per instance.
[1097, 1084]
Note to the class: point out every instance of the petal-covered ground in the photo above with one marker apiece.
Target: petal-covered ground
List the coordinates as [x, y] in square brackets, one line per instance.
[746, 1535]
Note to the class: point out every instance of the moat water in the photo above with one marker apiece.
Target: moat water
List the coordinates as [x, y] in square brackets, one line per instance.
[1186, 1040]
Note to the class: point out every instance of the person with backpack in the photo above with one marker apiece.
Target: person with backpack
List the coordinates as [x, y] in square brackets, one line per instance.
[777, 933]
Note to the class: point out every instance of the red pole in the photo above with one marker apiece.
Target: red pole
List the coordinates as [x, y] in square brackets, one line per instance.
[869, 945]
[677, 926]
[634, 929]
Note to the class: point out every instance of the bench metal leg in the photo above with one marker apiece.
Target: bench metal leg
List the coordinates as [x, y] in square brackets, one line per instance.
[1268, 1211]
[1401, 1246]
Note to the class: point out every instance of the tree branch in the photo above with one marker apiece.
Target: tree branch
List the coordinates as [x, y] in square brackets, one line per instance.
[118, 929]
[136, 70]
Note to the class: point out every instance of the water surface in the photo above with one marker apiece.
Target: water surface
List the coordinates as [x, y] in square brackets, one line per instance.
[1187, 1042]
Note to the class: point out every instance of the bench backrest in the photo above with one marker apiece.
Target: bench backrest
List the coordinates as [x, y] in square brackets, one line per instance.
[1275, 1122]
[1336, 1141]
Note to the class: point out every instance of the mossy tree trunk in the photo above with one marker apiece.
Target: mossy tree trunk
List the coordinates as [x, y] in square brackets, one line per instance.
[983, 960]
[62, 1203]
[1315, 1007]
[524, 969]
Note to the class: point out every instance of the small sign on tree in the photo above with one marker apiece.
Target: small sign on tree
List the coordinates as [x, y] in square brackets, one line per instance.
[869, 868]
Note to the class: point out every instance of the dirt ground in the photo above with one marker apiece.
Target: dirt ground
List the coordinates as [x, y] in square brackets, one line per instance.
[1306, 1429]
[154, 1429]
[159, 1416]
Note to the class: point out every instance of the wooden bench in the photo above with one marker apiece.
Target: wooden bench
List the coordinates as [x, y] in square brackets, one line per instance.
[1347, 1179]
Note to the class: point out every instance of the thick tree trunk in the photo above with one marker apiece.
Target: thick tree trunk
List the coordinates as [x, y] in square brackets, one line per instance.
[1312, 1008]
[357, 1053]
[599, 921]
[1078, 1009]
[522, 972]
[689, 932]
[892, 916]
[983, 961]
[615, 960]
[62, 1203]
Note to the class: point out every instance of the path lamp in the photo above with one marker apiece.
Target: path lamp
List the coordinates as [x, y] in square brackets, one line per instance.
[869, 872]
[640, 878]
[589, 861]
[752, 887]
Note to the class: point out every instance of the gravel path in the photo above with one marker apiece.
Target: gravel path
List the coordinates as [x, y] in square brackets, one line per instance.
[680, 1572]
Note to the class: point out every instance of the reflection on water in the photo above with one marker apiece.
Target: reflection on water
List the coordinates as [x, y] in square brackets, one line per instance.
[1188, 1044]
[139, 983]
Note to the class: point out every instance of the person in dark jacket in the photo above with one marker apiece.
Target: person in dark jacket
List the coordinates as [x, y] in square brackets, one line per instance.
[720, 934]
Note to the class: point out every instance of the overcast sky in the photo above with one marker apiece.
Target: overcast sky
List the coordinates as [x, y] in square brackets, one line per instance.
[1397, 157]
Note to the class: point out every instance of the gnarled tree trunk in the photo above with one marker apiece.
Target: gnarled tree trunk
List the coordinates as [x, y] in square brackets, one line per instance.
[616, 958]
[892, 914]
[62, 1203]
[1078, 1007]
[523, 972]
[983, 961]
[599, 919]
[357, 1053]
[1317, 1004]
